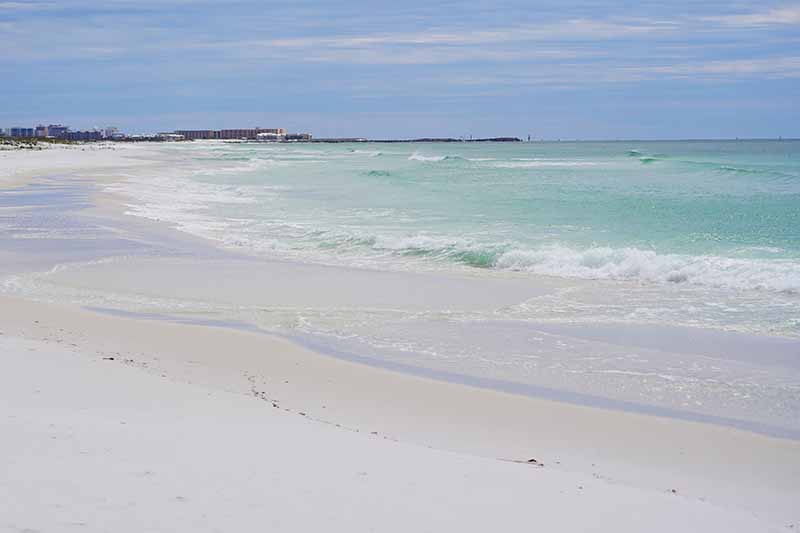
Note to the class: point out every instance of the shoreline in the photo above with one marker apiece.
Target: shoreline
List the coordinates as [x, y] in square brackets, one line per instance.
[548, 393]
[652, 453]
[702, 462]
[134, 448]
[535, 392]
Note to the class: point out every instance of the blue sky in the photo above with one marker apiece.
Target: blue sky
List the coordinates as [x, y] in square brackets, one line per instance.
[552, 69]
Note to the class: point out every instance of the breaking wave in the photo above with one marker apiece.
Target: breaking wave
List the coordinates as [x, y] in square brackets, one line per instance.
[369, 153]
[606, 263]
[493, 162]
[247, 165]
[536, 163]
[416, 156]
[634, 264]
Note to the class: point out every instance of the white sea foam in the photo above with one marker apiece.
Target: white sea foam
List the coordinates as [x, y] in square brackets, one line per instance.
[370, 153]
[183, 202]
[535, 163]
[605, 263]
[648, 266]
[416, 156]
[761, 249]
[251, 165]
[422, 243]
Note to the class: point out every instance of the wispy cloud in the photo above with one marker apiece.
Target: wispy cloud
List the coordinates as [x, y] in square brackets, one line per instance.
[24, 6]
[781, 67]
[560, 40]
[570, 29]
[589, 74]
[431, 56]
[789, 15]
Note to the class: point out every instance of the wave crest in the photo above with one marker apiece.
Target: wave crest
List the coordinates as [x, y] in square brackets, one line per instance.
[605, 263]
[536, 163]
[416, 156]
[644, 265]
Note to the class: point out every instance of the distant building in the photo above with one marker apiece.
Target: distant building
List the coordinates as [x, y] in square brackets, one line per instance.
[83, 136]
[241, 133]
[170, 137]
[56, 130]
[238, 134]
[198, 134]
[53, 130]
[269, 136]
[21, 132]
[298, 137]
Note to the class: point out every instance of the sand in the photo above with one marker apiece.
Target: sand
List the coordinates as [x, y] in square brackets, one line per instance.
[19, 166]
[126, 423]
[95, 445]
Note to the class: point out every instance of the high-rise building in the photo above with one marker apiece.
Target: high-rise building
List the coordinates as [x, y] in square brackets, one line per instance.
[41, 131]
[164, 136]
[83, 136]
[242, 133]
[56, 130]
[276, 131]
[238, 134]
[268, 136]
[197, 134]
[22, 132]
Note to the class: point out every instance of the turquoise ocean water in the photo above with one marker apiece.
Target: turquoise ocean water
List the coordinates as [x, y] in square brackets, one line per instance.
[718, 222]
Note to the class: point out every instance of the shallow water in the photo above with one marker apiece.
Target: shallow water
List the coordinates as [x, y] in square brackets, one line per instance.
[705, 232]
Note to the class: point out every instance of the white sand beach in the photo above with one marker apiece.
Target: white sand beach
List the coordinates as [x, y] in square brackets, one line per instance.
[19, 166]
[116, 418]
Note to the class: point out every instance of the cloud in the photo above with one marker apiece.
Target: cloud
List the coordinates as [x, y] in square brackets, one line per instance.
[580, 29]
[559, 40]
[14, 5]
[778, 16]
[592, 73]
[89, 4]
[607, 48]
[24, 6]
[773, 68]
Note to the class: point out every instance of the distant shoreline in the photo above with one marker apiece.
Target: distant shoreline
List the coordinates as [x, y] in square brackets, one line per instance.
[419, 140]
[15, 143]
